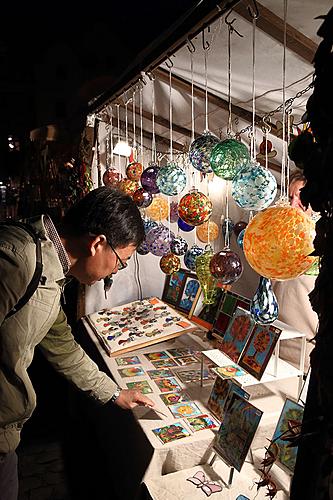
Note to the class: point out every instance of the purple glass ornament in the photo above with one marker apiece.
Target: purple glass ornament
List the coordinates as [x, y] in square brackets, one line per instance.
[159, 239]
[226, 266]
[183, 226]
[174, 211]
[239, 226]
[148, 178]
[191, 255]
[143, 248]
[179, 246]
[149, 224]
[142, 198]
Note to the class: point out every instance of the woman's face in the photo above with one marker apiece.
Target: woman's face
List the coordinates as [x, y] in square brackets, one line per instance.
[295, 197]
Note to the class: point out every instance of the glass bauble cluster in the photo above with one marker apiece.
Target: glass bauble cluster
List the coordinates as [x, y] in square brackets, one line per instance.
[128, 187]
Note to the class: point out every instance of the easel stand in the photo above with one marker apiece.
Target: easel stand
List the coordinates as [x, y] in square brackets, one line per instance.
[231, 470]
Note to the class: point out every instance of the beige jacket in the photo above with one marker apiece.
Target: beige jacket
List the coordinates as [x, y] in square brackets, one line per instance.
[40, 322]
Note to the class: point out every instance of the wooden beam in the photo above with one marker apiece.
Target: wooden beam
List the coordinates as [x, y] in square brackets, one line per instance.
[158, 138]
[273, 25]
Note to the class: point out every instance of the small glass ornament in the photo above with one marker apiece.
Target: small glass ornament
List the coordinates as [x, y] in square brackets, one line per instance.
[227, 222]
[240, 239]
[149, 224]
[134, 171]
[159, 239]
[239, 226]
[200, 151]
[148, 178]
[183, 226]
[128, 187]
[195, 208]
[170, 263]
[254, 187]
[226, 266]
[228, 158]
[143, 249]
[171, 179]
[191, 256]
[264, 306]
[158, 209]
[111, 177]
[174, 211]
[208, 231]
[278, 242]
[142, 198]
[207, 281]
[179, 246]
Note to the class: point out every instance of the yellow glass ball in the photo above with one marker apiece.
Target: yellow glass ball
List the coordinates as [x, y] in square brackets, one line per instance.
[278, 241]
[158, 209]
[128, 186]
[208, 231]
[170, 263]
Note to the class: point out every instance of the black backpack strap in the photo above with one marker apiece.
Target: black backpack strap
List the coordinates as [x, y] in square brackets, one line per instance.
[33, 285]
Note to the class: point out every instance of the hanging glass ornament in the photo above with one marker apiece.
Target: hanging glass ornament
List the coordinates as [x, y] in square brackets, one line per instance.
[240, 239]
[158, 209]
[170, 263]
[239, 226]
[191, 256]
[128, 187]
[134, 171]
[278, 242]
[183, 226]
[195, 208]
[179, 246]
[111, 177]
[159, 239]
[174, 211]
[264, 307]
[254, 187]
[171, 179]
[148, 178]
[149, 224]
[200, 151]
[228, 158]
[208, 231]
[143, 249]
[142, 198]
[227, 222]
[226, 266]
[207, 281]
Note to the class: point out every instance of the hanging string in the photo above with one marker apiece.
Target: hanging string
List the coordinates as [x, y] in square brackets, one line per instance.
[134, 124]
[118, 125]
[169, 218]
[192, 98]
[141, 127]
[253, 134]
[107, 146]
[98, 158]
[284, 144]
[153, 140]
[288, 142]
[229, 129]
[170, 111]
[111, 136]
[206, 89]
[126, 122]
[227, 234]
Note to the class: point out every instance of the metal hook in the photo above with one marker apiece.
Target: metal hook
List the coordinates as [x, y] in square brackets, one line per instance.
[190, 46]
[253, 13]
[230, 24]
[266, 128]
[150, 75]
[205, 43]
[168, 63]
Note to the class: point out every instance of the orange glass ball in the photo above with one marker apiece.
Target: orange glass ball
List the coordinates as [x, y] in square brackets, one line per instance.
[208, 231]
[134, 171]
[158, 209]
[278, 242]
[128, 187]
[170, 263]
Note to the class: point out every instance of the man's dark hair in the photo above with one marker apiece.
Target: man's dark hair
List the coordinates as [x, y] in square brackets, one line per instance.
[105, 211]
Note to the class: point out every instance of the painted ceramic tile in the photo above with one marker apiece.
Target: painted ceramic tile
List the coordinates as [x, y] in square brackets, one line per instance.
[181, 351]
[200, 422]
[291, 411]
[259, 349]
[163, 372]
[221, 392]
[229, 371]
[156, 356]
[133, 371]
[174, 397]
[229, 302]
[164, 363]
[188, 376]
[237, 430]
[184, 409]
[142, 386]
[167, 384]
[128, 360]
[171, 432]
[187, 360]
[237, 334]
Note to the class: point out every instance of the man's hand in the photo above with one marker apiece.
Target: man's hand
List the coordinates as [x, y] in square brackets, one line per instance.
[129, 398]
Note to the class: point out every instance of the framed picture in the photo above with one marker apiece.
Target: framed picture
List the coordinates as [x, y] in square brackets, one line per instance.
[221, 392]
[259, 349]
[291, 412]
[237, 334]
[181, 290]
[204, 314]
[226, 309]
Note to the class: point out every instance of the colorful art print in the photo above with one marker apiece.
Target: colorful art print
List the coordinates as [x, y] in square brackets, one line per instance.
[184, 409]
[167, 384]
[157, 356]
[190, 294]
[228, 304]
[174, 397]
[187, 360]
[237, 430]
[205, 314]
[220, 395]
[142, 386]
[181, 351]
[134, 371]
[181, 286]
[237, 334]
[188, 376]
[164, 363]
[137, 324]
[229, 371]
[162, 373]
[171, 432]
[291, 412]
[259, 349]
[200, 422]
[128, 360]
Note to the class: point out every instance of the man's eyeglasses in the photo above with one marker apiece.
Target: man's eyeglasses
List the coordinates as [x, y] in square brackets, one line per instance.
[120, 263]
